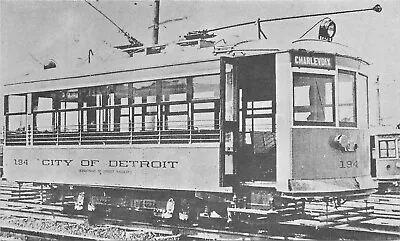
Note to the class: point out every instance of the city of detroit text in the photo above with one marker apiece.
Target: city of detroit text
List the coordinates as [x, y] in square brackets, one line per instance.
[113, 163]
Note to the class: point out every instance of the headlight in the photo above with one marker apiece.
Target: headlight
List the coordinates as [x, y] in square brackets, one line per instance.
[327, 30]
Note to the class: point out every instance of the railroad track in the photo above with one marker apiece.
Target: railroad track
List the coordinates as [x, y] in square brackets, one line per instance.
[32, 218]
[28, 192]
[125, 231]
[380, 218]
[29, 211]
[47, 221]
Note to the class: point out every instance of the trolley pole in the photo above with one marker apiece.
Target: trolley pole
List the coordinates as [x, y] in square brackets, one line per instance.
[156, 21]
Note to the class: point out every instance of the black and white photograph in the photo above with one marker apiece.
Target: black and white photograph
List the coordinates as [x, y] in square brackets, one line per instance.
[199, 120]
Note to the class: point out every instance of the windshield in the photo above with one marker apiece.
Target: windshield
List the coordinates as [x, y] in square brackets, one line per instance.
[313, 99]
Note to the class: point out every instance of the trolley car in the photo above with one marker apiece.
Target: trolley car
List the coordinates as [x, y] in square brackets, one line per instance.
[197, 129]
[385, 161]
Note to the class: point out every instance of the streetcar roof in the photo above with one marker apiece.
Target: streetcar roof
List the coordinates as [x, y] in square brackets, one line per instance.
[176, 55]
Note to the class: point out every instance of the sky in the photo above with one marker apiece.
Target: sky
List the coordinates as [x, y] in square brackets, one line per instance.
[32, 32]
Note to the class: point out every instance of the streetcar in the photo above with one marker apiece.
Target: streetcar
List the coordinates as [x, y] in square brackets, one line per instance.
[196, 129]
[385, 161]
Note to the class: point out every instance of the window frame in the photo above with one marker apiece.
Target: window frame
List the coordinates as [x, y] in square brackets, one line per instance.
[314, 123]
[354, 92]
[8, 114]
[64, 112]
[387, 149]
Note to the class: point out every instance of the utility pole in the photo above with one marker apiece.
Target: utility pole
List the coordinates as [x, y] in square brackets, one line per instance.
[156, 21]
[378, 101]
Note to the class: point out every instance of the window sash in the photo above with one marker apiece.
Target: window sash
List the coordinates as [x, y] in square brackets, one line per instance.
[313, 99]
[347, 104]
[387, 149]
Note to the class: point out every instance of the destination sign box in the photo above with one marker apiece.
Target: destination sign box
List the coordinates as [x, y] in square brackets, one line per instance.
[313, 60]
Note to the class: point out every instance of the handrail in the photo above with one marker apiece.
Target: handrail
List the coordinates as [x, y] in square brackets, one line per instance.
[156, 132]
[122, 133]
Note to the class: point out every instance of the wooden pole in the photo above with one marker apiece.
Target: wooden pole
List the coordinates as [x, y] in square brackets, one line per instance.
[156, 21]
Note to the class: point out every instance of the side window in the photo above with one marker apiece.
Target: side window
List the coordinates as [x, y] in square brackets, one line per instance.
[398, 146]
[144, 98]
[347, 99]
[92, 102]
[387, 149]
[313, 97]
[364, 100]
[205, 102]
[15, 109]
[69, 117]
[175, 106]
[44, 107]
[206, 87]
[122, 115]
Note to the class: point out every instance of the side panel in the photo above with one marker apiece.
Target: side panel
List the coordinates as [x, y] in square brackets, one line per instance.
[156, 167]
[388, 169]
[315, 157]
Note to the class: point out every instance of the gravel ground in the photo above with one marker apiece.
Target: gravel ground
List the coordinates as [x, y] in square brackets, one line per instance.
[101, 232]
[11, 237]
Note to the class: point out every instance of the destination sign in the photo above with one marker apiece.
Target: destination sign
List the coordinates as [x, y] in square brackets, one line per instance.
[313, 60]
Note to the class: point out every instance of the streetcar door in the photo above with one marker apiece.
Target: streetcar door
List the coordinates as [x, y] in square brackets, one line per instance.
[229, 125]
[256, 152]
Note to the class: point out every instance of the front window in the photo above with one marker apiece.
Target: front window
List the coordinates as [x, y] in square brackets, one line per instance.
[313, 96]
[347, 99]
